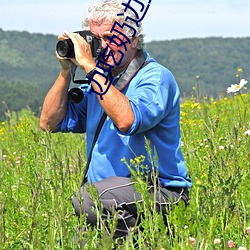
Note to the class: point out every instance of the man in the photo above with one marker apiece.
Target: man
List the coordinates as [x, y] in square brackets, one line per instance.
[142, 103]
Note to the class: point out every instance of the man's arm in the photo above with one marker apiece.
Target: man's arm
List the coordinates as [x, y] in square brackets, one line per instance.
[55, 103]
[115, 104]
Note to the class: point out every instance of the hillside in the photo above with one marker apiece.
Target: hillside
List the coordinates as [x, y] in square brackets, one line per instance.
[210, 63]
[28, 57]
[28, 66]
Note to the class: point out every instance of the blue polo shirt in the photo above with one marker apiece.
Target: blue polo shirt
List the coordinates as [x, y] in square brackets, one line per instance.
[154, 97]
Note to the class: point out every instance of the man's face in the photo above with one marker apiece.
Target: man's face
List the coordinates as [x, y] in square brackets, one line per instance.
[103, 31]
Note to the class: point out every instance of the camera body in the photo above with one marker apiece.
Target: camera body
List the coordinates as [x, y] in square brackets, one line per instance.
[65, 48]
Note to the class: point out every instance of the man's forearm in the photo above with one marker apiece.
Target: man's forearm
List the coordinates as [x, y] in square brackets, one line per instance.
[55, 103]
[115, 104]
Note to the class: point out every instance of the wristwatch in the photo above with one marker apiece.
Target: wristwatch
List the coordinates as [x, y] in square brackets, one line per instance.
[91, 72]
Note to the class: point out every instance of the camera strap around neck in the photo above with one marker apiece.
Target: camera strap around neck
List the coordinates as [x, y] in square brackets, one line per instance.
[136, 64]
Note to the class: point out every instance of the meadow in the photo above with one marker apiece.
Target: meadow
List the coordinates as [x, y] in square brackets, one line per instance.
[40, 172]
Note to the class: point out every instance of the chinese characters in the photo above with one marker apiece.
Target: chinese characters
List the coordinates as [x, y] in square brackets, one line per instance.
[117, 39]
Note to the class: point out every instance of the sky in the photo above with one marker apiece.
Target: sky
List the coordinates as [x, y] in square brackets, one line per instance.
[165, 19]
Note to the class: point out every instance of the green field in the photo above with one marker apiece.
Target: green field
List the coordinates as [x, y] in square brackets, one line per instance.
[40, 172]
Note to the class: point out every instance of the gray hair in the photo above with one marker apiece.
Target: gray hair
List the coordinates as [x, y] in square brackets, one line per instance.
[108, 10]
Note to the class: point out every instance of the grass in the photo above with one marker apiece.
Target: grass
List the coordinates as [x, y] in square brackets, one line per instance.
[40, 172]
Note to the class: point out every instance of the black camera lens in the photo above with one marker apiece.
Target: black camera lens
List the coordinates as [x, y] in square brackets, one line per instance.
[75, 95]
[65, 48]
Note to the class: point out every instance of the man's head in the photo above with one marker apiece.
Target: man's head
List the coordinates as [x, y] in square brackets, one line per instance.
[106, 11]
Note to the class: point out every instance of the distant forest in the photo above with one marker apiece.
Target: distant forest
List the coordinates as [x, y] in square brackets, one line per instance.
[202, 67]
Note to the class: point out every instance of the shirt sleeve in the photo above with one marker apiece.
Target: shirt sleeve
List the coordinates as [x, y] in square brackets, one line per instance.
[153, 97]
[75, 118]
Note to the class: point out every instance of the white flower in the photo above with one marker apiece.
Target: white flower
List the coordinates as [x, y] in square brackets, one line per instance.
[242, 248]
[248, 230]
[247, 133]
[22, 210]
[192, 240]
[217, 241]
[237, 87]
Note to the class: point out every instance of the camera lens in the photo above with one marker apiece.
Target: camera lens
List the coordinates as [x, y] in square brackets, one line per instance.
[65, 48]
[75, 95]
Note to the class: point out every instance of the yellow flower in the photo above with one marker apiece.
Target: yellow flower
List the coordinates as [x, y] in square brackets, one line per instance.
[195, 105]
[240, 70]
[138, 160]
[132, 162]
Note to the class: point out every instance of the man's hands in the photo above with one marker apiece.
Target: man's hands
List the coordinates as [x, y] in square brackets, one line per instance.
[83, 54]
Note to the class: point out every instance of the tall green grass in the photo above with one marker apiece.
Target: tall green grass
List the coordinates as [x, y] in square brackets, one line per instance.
[40, 172]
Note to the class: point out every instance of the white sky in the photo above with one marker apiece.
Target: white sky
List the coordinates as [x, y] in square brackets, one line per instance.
[165, 19]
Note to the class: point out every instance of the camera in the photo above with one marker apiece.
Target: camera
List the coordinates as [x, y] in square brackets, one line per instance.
[65, 48]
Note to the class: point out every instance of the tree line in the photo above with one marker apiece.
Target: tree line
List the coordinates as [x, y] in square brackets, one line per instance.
[202, 67]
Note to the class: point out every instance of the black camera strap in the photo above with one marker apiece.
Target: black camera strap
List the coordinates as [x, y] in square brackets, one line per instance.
[136, 64]
[97, 132]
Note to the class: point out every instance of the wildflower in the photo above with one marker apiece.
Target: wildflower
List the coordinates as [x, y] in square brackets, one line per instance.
[242, 248]
[22, 210]
[198, 182]
[123, 160]
[247, 133]
[45, 216]
[195, 106]
[14, 188]
[221, 147]
[192, 240]
[230, 244]
[237, 87]
[132, 162]
[137, 159]
[240, 70]
[248, 230]
[216, 241]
